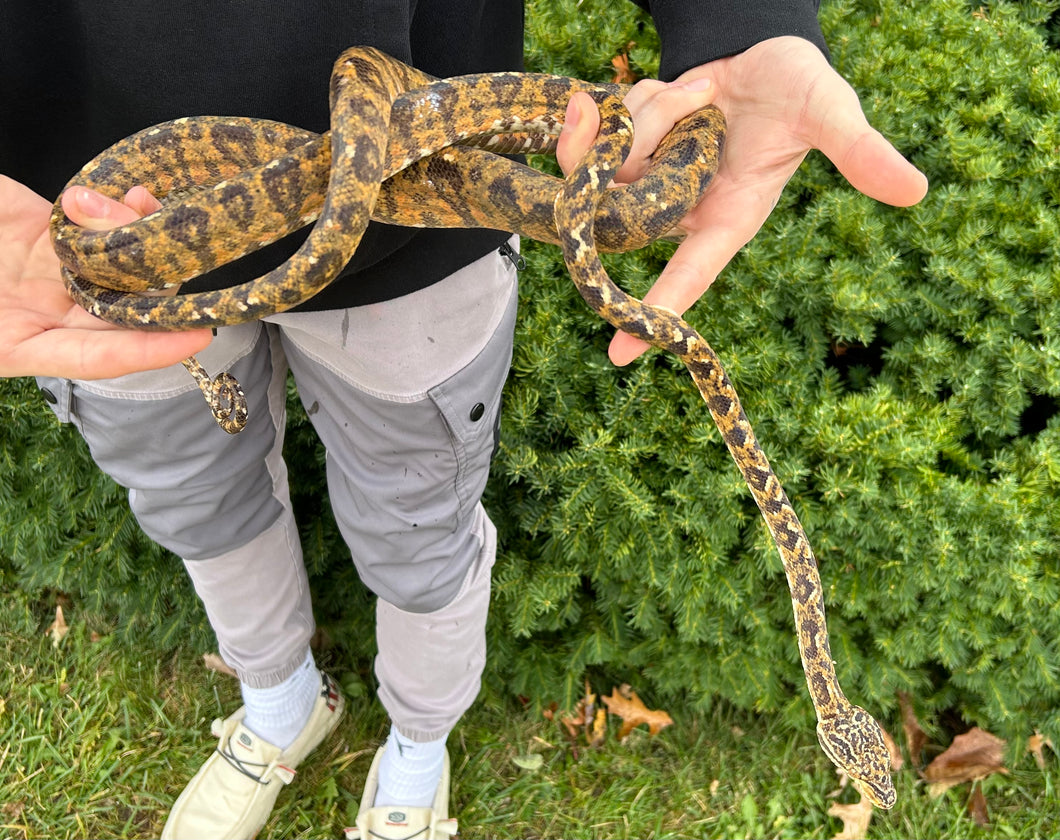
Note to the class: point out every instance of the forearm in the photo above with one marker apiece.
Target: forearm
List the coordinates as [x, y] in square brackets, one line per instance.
[695, 32]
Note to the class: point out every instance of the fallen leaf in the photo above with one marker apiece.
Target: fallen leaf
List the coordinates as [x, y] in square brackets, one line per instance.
[915, 737]
[972, 756]
[533, 761]
[598, 732]
[214, 662]
[624, 74]
[588, 707]
[573, 724]
[892, 747]
[1036, 745]
[856, 818]
[633, 713]
[977, 806]
[58, 628]
[844, 781]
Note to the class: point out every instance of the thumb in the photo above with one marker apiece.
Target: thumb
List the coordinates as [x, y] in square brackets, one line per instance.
[874, 167]
[92, 210]
[863, 156]
[580, 125]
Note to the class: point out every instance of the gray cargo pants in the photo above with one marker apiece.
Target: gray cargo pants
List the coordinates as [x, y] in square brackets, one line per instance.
[405, 396]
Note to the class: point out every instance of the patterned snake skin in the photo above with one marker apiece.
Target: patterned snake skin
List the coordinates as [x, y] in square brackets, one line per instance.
[412, 150]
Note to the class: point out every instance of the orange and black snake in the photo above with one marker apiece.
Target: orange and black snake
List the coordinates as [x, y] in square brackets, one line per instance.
[409, 149]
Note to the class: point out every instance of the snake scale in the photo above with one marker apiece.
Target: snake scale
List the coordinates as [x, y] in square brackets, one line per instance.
[409, 149]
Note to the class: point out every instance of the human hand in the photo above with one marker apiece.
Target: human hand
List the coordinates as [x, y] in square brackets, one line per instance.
[780, 98]
[42, 331]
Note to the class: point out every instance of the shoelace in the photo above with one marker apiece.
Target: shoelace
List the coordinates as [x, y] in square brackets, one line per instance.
[409, 837]
[242, 766]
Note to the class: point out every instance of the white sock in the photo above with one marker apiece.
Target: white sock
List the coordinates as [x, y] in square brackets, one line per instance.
[279, 713]
[409, 771]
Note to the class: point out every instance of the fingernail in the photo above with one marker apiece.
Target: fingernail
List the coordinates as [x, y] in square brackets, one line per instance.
[572, 115]
[697, 85]
[92, 204]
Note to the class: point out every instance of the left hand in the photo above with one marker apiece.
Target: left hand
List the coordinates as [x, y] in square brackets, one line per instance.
[780, 98]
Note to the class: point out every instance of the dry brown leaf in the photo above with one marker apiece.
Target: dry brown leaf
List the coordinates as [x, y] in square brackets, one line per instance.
[214, 662]
[977, 806]
[581, 719]
[58, 628]
[892, 747]
[972, 756]
[586, 719]
[572, 724]
[844, 780]
[856, 818]
[915, 737]
[1036, 745]
[633, 713]
[624, 74]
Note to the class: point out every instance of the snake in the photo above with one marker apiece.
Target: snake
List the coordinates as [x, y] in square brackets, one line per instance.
[407, 148]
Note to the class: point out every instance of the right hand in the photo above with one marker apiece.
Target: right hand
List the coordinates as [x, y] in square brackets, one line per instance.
[42, 331]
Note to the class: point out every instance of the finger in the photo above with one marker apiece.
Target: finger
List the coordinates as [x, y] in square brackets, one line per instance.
[580, 125]
[141, 200]
[874, 167]
[656, 108]
[726, 222]
[93, 353]
[94, 211]
[862, 155]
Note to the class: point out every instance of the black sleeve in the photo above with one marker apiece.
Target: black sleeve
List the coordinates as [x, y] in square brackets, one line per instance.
[695, 32]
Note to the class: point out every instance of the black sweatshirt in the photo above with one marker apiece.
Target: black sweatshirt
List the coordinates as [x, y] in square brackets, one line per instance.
[77, 75]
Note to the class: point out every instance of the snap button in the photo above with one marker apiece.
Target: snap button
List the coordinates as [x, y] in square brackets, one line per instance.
[49, 395]
[477, 412]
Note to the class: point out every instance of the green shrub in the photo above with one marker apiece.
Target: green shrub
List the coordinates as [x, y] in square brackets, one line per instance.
[901, 367]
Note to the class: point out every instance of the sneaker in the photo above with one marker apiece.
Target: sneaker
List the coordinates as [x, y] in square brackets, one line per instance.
[393, 822]
[232, 795]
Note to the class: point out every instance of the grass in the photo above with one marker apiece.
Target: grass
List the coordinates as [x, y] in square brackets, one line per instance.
[97, 739]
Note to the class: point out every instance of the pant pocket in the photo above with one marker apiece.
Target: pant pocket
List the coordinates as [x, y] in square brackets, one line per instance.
[470, 403]
[58, 394]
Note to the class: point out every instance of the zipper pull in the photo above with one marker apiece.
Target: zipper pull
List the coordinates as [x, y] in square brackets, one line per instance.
[514, 257]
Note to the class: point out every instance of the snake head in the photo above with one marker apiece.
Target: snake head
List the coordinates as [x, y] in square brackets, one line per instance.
[853, 740]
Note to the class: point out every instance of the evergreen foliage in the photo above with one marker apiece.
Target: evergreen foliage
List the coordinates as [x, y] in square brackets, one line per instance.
[901, 367]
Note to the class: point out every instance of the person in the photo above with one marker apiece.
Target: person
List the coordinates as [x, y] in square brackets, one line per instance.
[400, 362]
